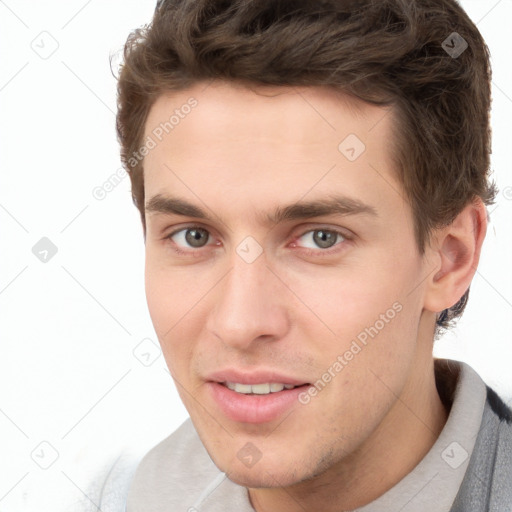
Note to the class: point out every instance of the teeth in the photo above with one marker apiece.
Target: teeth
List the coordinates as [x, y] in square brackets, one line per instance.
[258, 389]
[261, 389]
[239, 388]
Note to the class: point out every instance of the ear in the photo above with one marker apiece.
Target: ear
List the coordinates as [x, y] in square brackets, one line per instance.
[456, 251]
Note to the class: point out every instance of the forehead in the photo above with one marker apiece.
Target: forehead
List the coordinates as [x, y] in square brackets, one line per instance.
[306, 113]
[269, 143]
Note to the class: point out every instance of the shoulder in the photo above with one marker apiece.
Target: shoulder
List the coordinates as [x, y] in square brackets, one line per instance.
[173, 471]
[487, 484]
[131, 477]
[176, 453]
[108, 489]
[502, 410]
[500, 435]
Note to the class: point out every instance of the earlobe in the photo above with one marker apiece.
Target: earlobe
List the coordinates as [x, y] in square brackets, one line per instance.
[457, 249]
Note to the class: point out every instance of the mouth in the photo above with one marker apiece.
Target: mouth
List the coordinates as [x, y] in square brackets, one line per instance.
[265, 388]
[255, 403]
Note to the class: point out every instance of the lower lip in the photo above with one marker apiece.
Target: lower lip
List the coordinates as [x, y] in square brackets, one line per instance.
[254, 408]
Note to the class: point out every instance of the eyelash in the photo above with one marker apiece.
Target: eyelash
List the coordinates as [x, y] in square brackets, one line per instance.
[310, 252]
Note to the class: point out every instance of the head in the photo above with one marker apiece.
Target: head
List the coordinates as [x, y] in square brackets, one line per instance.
[328, 159]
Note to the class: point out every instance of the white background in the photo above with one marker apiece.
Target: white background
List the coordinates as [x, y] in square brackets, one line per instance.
[68, 373]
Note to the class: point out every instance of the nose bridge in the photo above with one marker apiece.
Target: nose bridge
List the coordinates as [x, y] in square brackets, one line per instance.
[247, 303]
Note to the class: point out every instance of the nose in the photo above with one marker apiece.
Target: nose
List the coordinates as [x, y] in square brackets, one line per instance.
[250, 305]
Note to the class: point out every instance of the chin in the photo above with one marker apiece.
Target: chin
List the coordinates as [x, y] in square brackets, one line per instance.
[262, 477]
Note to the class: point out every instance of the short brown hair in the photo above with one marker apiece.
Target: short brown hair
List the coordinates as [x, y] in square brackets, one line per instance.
[405, 54]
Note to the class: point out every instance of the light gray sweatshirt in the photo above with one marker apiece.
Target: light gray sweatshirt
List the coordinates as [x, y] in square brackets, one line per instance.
[468, 469]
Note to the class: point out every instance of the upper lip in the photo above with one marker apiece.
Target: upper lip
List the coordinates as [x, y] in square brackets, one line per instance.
[253, 377]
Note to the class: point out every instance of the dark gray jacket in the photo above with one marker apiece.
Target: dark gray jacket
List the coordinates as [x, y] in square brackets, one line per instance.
[487, 484]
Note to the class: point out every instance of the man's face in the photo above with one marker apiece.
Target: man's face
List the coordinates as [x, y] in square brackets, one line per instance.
[255, 297]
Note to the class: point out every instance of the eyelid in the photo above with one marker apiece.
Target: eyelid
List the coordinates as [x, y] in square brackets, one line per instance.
[317, 252]
[303, 230]
[177, 229]
[324, 227]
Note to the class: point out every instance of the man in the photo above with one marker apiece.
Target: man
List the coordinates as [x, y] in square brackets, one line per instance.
[312, 179]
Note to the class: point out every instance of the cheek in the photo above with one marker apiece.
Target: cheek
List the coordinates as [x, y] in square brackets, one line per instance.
[158, 297]
[362, 360]
[170, 292]
[171, 299]
[345, 301]
[365, 313]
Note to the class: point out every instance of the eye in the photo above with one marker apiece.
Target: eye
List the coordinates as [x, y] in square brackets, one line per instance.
[315, 241]
[322, 238]
[193, 237]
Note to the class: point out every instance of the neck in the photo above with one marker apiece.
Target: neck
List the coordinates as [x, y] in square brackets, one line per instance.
[401, 441]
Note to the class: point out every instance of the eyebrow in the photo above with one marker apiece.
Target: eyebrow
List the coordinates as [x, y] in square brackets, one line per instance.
[331, 205]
